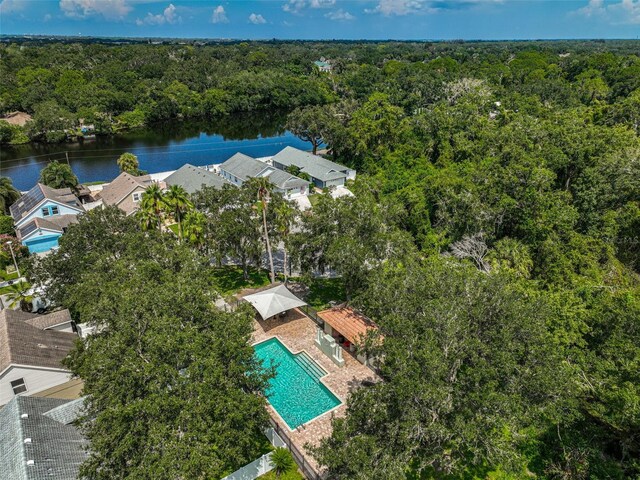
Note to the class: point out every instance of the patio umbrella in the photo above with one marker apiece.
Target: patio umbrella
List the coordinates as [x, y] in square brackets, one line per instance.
[274, 301]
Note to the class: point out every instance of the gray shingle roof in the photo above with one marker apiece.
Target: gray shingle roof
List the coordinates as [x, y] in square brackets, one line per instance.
[245, 167]
[314, 165]
[27, 202]
[56, 223]
[49, 320]
[193, 178]
[56, 447]
[25, 344]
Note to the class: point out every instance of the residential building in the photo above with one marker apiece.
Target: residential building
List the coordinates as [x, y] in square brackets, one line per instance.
[324, 173]
[31, 351]
[125, 192]
[43, 214]
[17, 118]
[240, 167]
[39, 441]
[193, 178]
[323, 65]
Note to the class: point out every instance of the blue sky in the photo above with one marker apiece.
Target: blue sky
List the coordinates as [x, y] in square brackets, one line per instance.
[325, 19]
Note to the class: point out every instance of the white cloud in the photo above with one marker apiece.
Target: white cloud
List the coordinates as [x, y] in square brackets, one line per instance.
[47, 17]
[400, 7]
[322, 3]
[257, 19]
[593, 8]
[408, 7]
[339, 15]
[623, 12]
[294, 6]
[297, 6]
[9, 6]
[219, 15]
[169, 15]
[627, 11]
[109, 9]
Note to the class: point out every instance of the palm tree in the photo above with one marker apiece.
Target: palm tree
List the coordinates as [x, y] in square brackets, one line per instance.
[177, 201]
[128, 162]
[8, 194]
[148, 219]
[18, 295]
[58, 175]
[153, 202]
[263, 186]
[285, 215]
[282, 461]
[195, 224]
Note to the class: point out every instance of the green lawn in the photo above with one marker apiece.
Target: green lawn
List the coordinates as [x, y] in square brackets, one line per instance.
[229, 279]
[324, 290]
[313, 199]
[8, 276]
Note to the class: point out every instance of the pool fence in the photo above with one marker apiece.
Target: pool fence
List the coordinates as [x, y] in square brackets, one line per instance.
[303, 464]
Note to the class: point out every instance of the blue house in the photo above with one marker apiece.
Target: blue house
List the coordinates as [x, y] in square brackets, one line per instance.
[43, 214]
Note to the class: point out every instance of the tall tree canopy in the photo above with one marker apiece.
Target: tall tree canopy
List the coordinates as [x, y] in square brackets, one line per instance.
[468, 369]
[58, 175]
[173, 388]
[8, 194]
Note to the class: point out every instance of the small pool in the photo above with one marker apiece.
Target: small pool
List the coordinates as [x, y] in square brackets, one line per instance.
[295, 392]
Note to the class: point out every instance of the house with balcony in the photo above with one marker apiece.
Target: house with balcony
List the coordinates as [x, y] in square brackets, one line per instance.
[43, 214]
[240, 167]
[323, 173]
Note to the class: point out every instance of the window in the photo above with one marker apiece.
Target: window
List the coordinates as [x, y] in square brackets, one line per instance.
[18, 386]
[137, 196]
[54, 210]
[45, 212]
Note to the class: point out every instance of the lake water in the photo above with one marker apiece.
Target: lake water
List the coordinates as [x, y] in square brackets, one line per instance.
[159, 148]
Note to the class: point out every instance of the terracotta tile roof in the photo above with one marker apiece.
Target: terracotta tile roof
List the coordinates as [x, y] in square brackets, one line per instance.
[351, 324]
[25, 344]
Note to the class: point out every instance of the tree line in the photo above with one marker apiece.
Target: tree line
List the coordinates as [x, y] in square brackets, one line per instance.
[493, 237]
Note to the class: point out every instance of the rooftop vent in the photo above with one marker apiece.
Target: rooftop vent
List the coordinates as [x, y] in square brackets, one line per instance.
[31, 462]
[24, 415]
[27, 440]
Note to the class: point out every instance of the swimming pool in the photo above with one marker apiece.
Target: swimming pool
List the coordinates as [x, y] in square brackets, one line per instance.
[296, 392]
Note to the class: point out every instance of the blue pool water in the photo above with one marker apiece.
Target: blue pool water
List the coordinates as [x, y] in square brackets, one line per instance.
[295, 392]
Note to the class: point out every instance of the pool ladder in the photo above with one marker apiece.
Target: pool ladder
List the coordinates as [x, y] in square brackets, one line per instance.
[309, 365]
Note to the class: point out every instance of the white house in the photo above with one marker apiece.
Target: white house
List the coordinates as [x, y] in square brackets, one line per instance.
[31, 351]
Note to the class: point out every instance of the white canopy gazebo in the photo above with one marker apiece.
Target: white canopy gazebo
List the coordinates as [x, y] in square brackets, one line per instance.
[274, 301]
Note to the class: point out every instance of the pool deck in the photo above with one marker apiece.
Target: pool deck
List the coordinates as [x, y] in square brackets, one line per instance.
[298, 332]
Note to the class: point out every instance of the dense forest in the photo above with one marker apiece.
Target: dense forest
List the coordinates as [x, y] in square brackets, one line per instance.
[494, 235]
